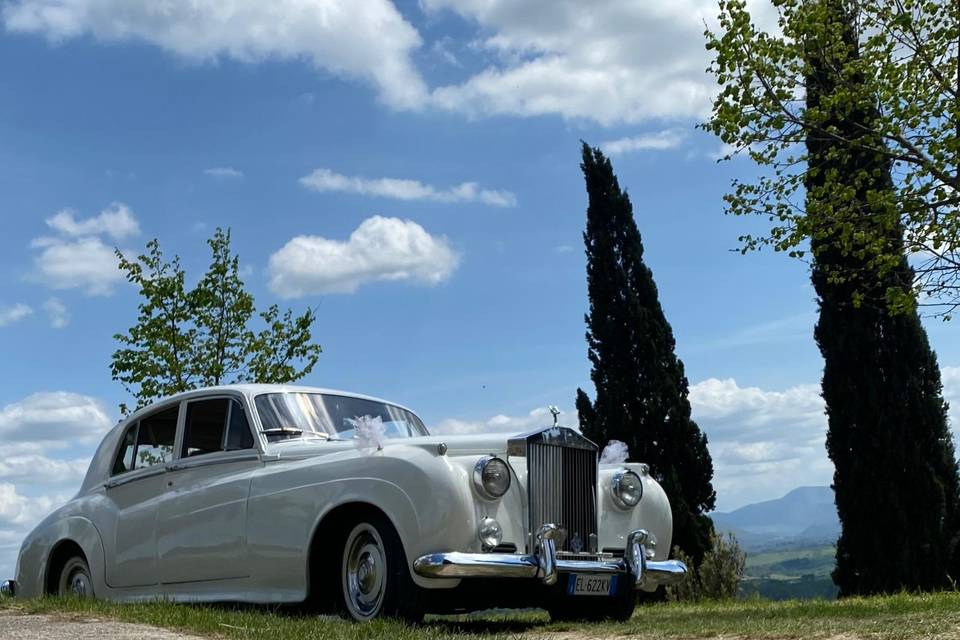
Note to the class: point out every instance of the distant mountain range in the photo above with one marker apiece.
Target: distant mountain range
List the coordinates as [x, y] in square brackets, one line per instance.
[805, 516]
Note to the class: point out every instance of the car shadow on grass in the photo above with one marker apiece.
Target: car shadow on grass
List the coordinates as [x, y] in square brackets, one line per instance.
[480, 623]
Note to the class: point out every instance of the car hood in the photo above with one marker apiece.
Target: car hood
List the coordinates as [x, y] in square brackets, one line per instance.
[479, 444]
[494, 443]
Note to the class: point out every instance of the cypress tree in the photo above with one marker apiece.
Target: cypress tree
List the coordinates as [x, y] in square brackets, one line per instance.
[895, 477]
[641, 388]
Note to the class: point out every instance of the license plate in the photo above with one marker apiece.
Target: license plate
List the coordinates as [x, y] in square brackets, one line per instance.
[581, 584]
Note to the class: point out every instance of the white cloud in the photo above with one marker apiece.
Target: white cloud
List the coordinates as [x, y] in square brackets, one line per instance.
[223, 172]
[612, 61]
[36, 468]
[14, 313]
[764, 443]
[84, 263]
[19, 513]
[57, 313]
[32, 481]
[116, 221]
[16, 509]
[77, 258]
[656, 141]
[326, 180]
[733, 409]
[500, 423]
[52, 419]
[379, 249]
[367, 40]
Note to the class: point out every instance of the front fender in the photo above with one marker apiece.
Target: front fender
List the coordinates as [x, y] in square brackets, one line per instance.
[425, 495]
[653, 513]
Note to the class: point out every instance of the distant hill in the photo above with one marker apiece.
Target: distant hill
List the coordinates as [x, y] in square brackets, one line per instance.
[804, 516]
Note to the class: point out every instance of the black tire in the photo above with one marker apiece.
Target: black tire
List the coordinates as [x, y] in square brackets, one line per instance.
[366, 591]
[618, 607]
[75, 579]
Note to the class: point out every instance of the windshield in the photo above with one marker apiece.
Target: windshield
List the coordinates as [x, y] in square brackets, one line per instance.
[330, 416]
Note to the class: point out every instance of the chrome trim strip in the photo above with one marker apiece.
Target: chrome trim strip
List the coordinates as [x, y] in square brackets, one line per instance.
[204, 461]
[476, 565]
[665, 572]
[546, 553]
[556, 436]
[123, 478]
[544, 564]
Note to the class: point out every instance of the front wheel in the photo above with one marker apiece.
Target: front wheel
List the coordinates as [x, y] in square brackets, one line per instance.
[374, 578]
[75, 579]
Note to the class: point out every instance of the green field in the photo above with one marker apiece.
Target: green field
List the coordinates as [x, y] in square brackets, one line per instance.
[893, 617]
[791, 573]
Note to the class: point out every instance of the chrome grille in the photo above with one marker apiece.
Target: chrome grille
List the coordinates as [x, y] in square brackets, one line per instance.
[562, 490]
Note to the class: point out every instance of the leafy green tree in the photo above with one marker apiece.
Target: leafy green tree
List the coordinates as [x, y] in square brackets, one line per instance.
[895, 468]
[908, 67]
[184, 339]
[641, 389]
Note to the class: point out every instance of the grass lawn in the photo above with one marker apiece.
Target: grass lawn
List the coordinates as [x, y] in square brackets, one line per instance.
[901, 616]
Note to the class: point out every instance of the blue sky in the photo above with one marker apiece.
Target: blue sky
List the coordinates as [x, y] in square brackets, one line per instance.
[443, 138]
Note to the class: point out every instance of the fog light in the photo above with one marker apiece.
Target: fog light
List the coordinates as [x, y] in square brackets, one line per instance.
[490, 532]
[651, 546]
[627, 488]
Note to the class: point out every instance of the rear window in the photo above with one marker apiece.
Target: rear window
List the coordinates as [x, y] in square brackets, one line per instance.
[148, 442]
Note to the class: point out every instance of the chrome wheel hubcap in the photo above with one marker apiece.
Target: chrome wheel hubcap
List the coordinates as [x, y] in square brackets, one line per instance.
[79, 585]
[76, 582]
[364, 565]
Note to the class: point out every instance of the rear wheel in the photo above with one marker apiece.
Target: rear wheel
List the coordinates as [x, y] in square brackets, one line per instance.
[374, 578]
[75, 579]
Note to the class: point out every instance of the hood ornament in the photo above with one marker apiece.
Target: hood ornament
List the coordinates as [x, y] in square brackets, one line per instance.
[556, 414]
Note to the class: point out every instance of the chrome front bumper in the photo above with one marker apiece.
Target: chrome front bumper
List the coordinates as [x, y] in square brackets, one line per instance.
[544, 564]
[8, 588]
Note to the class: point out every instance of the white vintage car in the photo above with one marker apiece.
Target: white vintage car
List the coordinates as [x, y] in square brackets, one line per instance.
[281, 494]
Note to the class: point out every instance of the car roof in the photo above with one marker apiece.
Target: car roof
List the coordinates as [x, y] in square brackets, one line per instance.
[250, 390]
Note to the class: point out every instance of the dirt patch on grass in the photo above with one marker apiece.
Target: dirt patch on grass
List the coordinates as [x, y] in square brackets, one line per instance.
[18, 626]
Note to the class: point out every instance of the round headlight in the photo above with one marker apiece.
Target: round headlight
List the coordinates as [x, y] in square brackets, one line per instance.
[490, 532]
[491, 475]
[627, 488]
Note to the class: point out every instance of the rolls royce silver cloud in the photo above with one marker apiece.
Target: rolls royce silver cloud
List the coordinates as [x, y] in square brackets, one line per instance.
[281, 494]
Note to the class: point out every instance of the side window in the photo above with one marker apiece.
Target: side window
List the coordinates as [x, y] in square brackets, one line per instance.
[155, 438]
[128, 446]
[239, 435]
[206, 427]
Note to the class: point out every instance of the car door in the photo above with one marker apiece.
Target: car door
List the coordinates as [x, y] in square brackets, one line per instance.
[128, 525]
[202, 526]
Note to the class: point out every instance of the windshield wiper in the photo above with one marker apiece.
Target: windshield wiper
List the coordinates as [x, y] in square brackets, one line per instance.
[282, 431]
